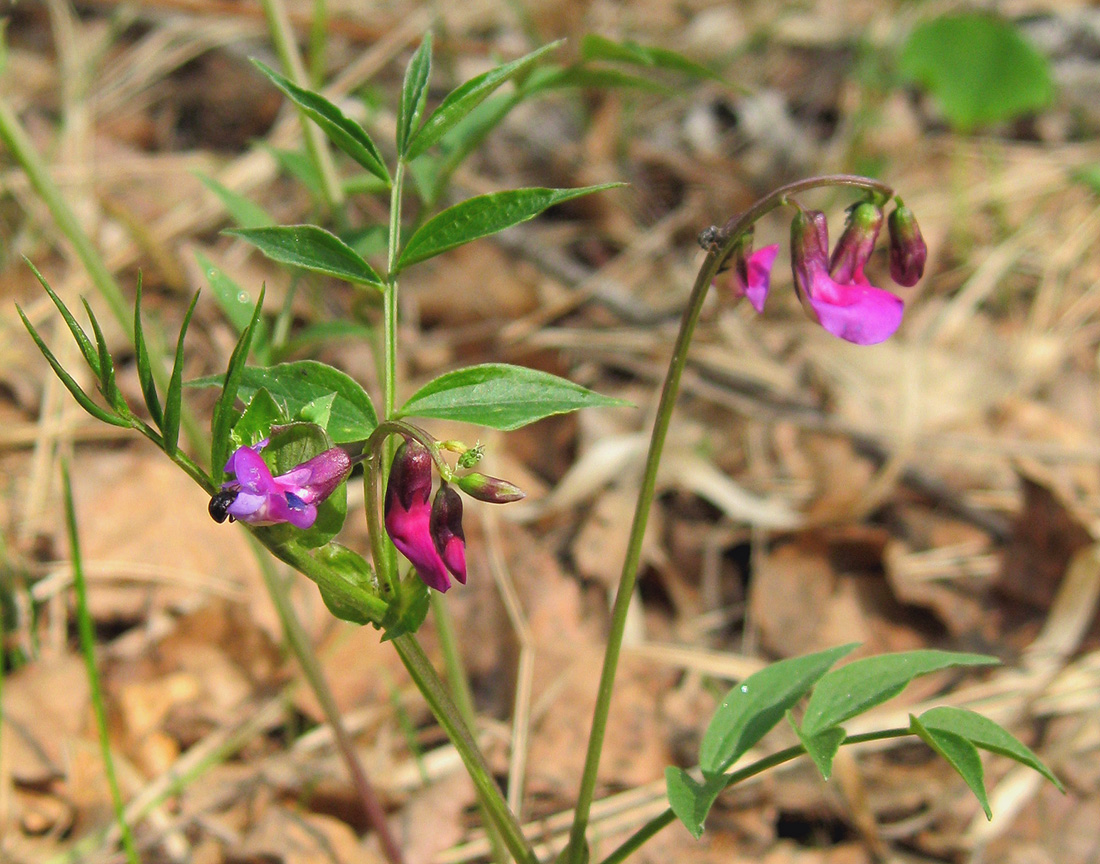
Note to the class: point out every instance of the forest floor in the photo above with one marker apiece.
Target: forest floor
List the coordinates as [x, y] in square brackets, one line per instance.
[938, 490]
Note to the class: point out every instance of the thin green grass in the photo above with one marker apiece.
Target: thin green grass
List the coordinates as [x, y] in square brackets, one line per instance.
[87, 645]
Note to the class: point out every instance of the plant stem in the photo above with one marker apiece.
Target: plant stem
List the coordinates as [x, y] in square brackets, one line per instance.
[427, 681]
[635, 841]
[722, 244]
[464, 699]
[282, 35]
[87, 645]
[299, 645]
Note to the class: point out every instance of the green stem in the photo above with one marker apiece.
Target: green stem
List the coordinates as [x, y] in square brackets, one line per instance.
[299, 645]
[318, 37]
[460, 692]
[282, 36]
[639, 837]
[87, 645]
[445, 711]
[722, 243]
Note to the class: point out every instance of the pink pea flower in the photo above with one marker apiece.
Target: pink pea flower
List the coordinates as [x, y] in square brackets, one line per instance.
[847, 306]
[254, 496]
[750, 275]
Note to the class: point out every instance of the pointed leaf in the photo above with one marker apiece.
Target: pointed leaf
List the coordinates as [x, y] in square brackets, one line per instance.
[244, 211]
[222, 421]
[862, 684]
[414, 93]
[303, 382]
[407, 612]
[962, 756]
[144, 367]
[482, 216]
[311, 248]
[500, 396]
[91, 355]
[822, 747]
[106, 365]
[690, 800]
[462, 100]
[256, 421]
[752, 708]
[984, 733]
[344, 132]
[173, 397]
[595, 47]
[82, 398]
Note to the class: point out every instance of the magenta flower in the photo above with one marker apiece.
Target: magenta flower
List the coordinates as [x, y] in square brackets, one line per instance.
[852, 309]
[256, 497]
[750, 276]
[432, 541]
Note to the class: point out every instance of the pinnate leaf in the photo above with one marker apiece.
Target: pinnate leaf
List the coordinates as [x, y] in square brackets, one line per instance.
[484, 215]
[311, 248]
[500, 396]
[345, 133]
[463, 99]
[863, 684]
[753, 707]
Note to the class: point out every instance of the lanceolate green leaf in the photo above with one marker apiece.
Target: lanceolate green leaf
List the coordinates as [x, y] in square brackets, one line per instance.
[246, 213]
[236, 303]
[983, 732]
[222, 420]
[414, 93]
[311, 248]
[106, 364]
[821, 747]
[754, 706]
[349, 579]
[345, 133]
[500, 396]
[961, 754]
[173, 397]
[484, 215]
[82, 398]
[144, 367]
[863, 684]
[460, 101]
[91, 355]
[595, 47]
[294, 386]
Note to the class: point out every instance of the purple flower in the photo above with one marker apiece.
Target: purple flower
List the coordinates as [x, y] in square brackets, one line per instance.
[847, 306]
[750, 275]
[255, 497]
[431, 540]
[907, 248]
[856, 244]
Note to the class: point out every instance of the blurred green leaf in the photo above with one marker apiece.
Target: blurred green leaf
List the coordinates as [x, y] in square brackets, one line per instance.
[978, 67]
[237, 304]
[246, 213]
[596, 47]
[500, 396]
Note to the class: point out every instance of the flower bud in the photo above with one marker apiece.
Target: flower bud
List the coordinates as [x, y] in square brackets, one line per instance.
[489, 489]
[410, 476]
[907, 248]
[856, 244]
[317, 478]
[445, 527]
[809, 252]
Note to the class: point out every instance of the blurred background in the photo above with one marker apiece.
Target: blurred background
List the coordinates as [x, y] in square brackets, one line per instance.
[938, 490]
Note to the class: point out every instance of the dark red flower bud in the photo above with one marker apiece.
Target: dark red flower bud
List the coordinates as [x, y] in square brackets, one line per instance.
[907, 248]
[445, 528]
[856, 244]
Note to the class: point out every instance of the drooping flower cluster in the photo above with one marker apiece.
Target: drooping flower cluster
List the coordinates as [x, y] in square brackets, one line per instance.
[254, 496]
[430, 535]
[834, 290]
